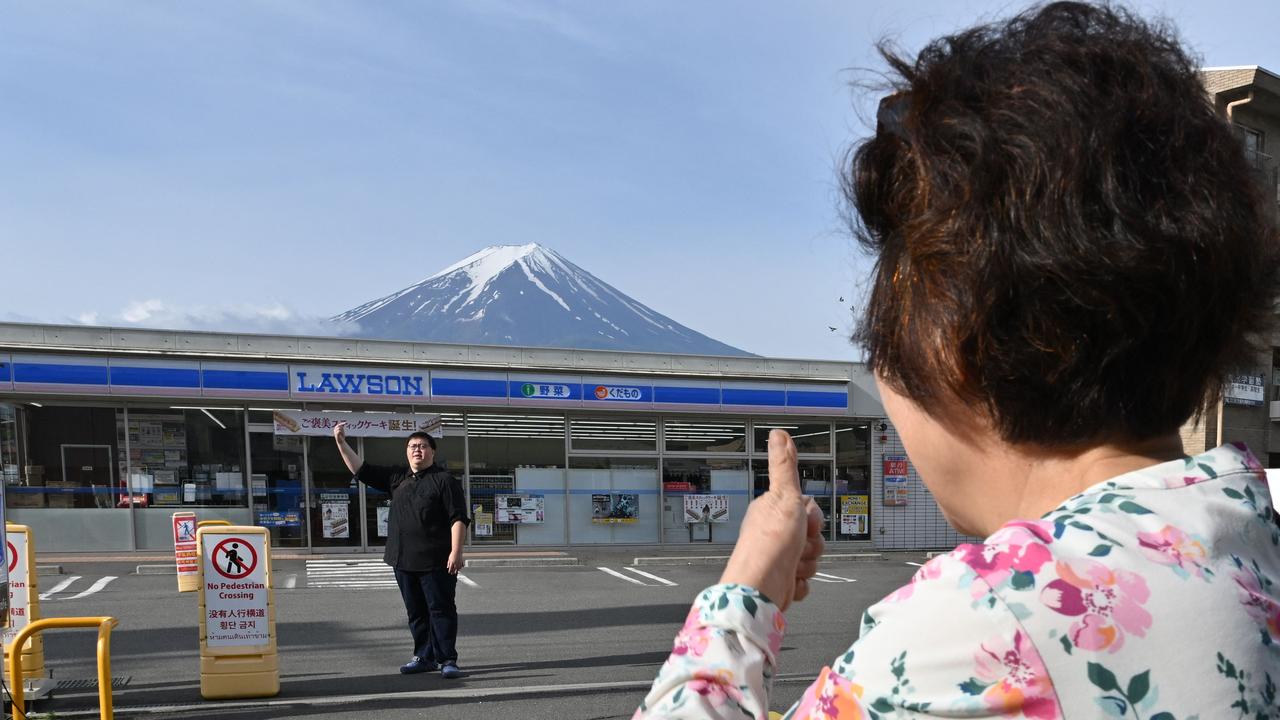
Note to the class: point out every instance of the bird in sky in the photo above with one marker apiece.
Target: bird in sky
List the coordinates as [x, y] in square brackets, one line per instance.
[831, 328]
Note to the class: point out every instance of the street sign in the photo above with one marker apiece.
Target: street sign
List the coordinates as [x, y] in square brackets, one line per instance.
[185, 553]
[238, 657]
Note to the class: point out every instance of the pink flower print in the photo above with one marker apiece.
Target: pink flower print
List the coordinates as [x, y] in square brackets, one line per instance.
[1018, 547]
[1264, 609]
[693, 638]
[1016, 678]
[1107, 602]
[1186, 553]
[716, 686]
[775, 636]
[831, 697]
[929, 571]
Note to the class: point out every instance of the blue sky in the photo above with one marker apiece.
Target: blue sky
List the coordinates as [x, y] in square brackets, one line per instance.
[260, 166]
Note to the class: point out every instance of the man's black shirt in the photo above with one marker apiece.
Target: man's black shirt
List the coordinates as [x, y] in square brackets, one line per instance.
[424, 507]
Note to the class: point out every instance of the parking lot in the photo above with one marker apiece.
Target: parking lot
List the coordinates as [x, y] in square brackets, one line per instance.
[539, 642]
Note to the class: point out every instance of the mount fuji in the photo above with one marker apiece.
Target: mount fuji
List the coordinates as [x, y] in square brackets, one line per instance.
[524, 295]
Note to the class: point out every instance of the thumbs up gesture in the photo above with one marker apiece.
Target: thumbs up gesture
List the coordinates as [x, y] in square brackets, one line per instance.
[781, 537]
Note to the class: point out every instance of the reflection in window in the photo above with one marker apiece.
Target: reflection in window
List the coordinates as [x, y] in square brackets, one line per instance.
[72, 458]
[709, 436]
[621, 434]
[188, 456]
[814, 438]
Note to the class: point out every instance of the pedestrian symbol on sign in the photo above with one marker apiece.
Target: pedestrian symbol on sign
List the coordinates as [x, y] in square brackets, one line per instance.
[234, 558]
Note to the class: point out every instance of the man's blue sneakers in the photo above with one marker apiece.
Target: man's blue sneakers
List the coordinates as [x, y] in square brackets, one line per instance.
[419, 665]
[450, 671]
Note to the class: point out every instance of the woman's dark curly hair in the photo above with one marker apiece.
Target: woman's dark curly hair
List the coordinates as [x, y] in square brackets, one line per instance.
[1069, 238]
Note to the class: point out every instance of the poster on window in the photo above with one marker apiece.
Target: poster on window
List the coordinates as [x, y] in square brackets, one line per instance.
[853, 514]
[481, 521]
[614, 508]
[706, 508]
[384, 518]
[519, 509]
[333, 516]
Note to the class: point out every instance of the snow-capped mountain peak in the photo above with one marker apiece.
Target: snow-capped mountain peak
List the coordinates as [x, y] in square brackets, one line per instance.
[524, 295]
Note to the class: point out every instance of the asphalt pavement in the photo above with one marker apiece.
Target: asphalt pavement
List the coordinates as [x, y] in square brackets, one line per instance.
[568, 642]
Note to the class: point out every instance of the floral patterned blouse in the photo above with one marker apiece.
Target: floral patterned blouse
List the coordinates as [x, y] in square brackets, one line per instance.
[1153, 595]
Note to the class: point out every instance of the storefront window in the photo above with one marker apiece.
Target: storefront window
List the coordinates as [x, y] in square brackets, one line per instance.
[277, 489]
[186, 457]
[853, 481]
[520, 460]
[706, 436]
[613, 500]
[625, 434]
[70, 466]
[811, 438]
[704, 500]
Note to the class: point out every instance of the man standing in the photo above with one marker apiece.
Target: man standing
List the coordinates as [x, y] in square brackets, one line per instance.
[425, 531]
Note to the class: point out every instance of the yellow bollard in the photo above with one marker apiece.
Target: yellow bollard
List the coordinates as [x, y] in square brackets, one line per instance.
[104, 625]
[212, 523]
[238, 655]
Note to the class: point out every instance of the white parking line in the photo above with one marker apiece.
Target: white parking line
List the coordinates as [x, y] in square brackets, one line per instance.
[291, 581]
[916, 564]
[642, 573]
[617, 574]
[824, 577]
[468, 581]
[59, 587]
[102, 582]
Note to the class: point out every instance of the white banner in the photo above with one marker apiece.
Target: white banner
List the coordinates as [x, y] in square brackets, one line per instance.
[303, 422]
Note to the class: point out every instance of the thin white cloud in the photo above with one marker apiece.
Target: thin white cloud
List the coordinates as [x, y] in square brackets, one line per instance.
[272, 318]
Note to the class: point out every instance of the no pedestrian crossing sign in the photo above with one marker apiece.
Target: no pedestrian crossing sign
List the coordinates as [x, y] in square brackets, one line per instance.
[235, 589]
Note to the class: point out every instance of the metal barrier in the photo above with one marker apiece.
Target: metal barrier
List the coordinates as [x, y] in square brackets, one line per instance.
[104, 625]
[207, 523]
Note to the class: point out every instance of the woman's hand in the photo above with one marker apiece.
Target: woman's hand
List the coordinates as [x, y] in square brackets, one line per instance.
[781, 537]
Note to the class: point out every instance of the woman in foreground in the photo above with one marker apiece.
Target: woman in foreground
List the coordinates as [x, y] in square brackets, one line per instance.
[1071, 257]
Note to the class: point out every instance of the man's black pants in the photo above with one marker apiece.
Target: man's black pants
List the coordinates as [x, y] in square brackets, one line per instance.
[433, 616]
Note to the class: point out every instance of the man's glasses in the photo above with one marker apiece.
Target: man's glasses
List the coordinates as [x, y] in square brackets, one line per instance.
[416, 446]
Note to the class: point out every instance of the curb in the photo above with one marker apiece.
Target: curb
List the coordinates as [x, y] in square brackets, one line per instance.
[682, 560]
[48, 569]
[522, 562]
[167, 569]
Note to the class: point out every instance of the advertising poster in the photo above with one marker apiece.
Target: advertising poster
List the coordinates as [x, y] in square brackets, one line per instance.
[384, 519]
[481, 521]
[853, 514]
[895, 480]
[706, 508]
[1248, 390]
[614, 508]
[519, 509]
[333, 516]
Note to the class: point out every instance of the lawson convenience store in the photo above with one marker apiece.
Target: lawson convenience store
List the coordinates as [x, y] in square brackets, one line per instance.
[105, 432]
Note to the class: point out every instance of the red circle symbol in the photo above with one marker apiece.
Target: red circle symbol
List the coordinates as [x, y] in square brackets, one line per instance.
[13, 556]
[602, 392]
[229, 558]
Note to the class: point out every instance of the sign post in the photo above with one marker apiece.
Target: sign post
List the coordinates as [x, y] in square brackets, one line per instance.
[24, 606]
[238, 657]
[185, 553]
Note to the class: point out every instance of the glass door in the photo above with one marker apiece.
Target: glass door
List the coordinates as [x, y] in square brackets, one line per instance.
[377, 504]
[336, 521]
[276, 486]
